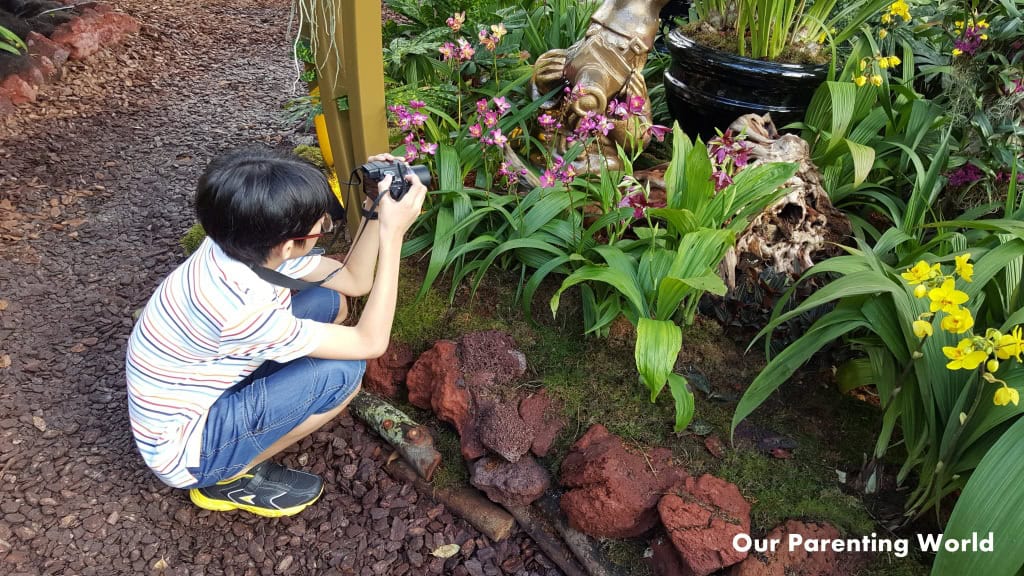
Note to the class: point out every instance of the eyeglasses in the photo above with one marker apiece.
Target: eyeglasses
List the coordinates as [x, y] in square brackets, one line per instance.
[326, 227]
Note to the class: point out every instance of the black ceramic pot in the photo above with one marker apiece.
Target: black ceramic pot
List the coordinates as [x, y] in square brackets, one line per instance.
[708, 88]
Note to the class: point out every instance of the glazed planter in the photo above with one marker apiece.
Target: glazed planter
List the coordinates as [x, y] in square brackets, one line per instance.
[708, 88]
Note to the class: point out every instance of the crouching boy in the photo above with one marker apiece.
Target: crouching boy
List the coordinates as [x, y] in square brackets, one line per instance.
[225, 369]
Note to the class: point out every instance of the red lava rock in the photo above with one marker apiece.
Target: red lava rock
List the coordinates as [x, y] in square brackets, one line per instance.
[542, 417]
[781, 453]
[702, 522]
[44, 70]
[665, 560]
[6, 106]
[798, 562]
[614, 491]
[510, 484]
[84, 36]
[492, 352]
[17, 90]
[39, 45]
[435, 382]
[503, 431]
[385, 375]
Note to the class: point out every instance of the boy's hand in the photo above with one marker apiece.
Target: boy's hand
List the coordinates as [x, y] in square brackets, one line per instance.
[397, 216]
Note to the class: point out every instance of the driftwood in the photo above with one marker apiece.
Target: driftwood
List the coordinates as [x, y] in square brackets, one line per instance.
[799, 228]
[585, 548]
[547, 539]
[412, 441]
[466, 503]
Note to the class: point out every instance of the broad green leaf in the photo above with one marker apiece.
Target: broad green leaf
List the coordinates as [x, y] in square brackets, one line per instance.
[625, 282]
[863, 159]
[657, 346]
[683, 400]
[825, 330]
[992, 502]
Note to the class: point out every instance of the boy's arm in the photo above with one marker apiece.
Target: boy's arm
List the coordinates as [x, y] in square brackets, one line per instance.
[370, 336]
[356, 278]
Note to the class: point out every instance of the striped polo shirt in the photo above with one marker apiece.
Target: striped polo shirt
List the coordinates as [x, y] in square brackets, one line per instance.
[209, 324]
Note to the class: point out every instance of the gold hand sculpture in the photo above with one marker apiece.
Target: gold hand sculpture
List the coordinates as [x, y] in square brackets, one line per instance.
[607, 64]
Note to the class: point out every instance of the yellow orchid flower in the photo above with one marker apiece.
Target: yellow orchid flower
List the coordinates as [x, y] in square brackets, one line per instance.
[876, 80]
[964, 356]
[964, 268]
[894, 61]
[883, 63]
[1010, 345]
[992, 365]
[1005, 395]
[958, 321]
[946, 297]
[918, 273]
[921, 291]
[860, 80]
[882, 33]
[922, 329]
[957, 52]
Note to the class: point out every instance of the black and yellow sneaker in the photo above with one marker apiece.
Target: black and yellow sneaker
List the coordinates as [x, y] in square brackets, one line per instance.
[268, 489]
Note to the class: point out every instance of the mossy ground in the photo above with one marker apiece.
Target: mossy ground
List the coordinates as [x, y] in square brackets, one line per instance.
[595, 381]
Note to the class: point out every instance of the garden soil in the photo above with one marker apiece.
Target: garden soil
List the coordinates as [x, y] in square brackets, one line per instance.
[95, 186]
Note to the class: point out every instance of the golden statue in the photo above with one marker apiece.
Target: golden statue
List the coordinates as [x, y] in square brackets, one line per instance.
[606, 65]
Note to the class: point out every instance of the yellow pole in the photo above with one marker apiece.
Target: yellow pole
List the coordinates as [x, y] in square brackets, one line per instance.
[354, 68]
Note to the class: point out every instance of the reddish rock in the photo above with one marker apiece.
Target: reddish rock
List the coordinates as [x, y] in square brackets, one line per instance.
[504, 432]
[17, 90]
[94, 29]
[47, 72]
[702, 522]
[385, 375]
[664, 558]
[798, 562]
[39, 45]
[614, 492]
[508, 483]
[543, 418]
[6, 106]
[492, 353]
[435, 383]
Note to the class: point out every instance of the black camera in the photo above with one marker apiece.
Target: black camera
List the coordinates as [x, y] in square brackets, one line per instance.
[374, 172]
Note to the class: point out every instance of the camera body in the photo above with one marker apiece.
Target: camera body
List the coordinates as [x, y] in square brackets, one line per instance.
[374, 172]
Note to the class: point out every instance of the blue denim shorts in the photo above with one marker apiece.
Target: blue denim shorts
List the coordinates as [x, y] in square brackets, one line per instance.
[274, 399]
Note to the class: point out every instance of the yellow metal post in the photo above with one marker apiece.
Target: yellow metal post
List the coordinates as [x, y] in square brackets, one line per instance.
[351, 64]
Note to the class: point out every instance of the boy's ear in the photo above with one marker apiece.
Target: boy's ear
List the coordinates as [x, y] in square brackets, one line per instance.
[283, 250]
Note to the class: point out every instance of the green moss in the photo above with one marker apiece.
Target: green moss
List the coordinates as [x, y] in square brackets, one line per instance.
[626, 555]
[311, 154]
[889, 565]
[798, 488]
[453, 471]
[192, 239]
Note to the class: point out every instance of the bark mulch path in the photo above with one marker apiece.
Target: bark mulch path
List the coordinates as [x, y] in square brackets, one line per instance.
[95, 187]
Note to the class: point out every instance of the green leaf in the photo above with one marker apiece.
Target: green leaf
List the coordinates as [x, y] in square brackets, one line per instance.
[657, 346]
[992, 502]
[625, 282]
[683, 400]
[863, 159]
[829, 327]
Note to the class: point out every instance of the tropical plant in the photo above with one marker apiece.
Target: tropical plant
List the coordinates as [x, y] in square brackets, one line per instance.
[771, 27]
[10, 42]
[926, 346]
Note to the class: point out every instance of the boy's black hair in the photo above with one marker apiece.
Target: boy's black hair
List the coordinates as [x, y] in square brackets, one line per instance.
[253, 199]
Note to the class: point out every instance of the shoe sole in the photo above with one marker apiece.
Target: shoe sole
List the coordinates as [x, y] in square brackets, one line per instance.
[202, 501]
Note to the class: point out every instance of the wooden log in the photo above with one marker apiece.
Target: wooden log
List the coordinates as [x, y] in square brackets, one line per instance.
[466, 503]
[412, 441]
[547, 539]
[585, 548]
